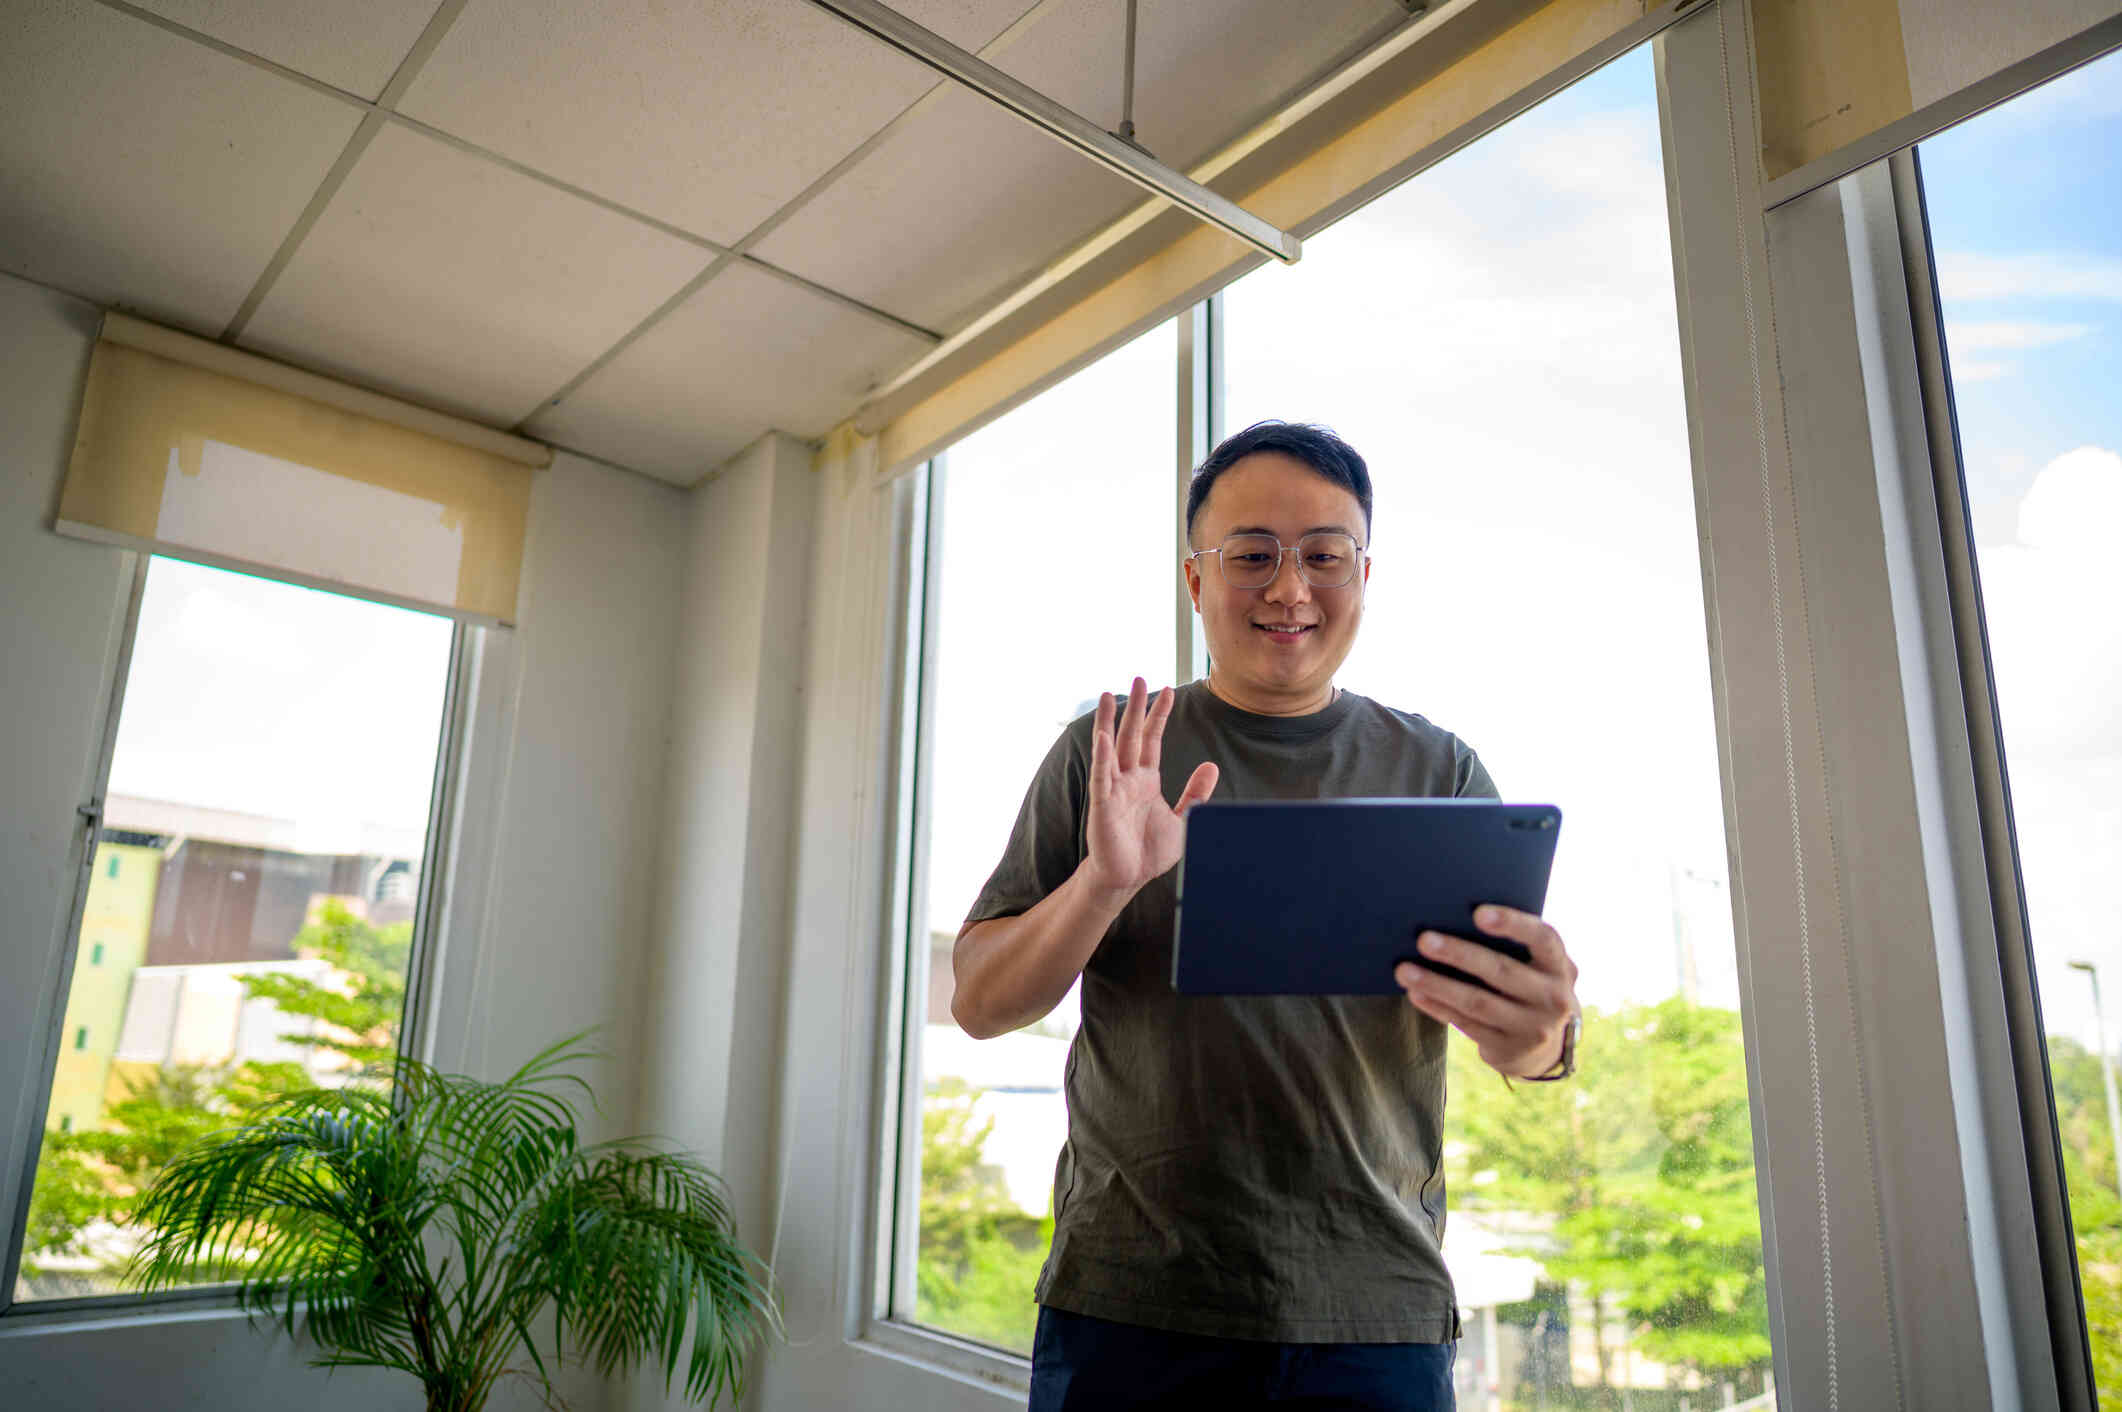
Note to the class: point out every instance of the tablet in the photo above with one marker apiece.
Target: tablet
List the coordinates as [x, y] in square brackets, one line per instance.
[1325, 897]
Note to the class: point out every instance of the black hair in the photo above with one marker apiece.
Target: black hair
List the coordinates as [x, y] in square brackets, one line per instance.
[1315, 446]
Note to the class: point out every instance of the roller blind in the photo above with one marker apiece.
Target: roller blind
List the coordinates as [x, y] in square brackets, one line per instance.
[1474, 64]
[200, 451]
[1840, 83]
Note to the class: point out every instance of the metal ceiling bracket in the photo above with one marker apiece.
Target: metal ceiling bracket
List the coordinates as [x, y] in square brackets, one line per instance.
[1042, 112]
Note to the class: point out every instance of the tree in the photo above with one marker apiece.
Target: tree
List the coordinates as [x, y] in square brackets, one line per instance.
[97, 1176]
[2095, 1208]
[980, 1254]
[1640, 1169]
[362, 1010]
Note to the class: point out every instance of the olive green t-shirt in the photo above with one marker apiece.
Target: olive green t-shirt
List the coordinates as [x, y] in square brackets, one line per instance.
[1244, 1166]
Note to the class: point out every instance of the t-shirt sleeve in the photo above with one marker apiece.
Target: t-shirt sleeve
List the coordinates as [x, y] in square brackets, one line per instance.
[1046, 845]
[1470, 776]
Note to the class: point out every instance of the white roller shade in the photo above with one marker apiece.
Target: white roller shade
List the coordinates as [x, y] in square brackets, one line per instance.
[203, 452]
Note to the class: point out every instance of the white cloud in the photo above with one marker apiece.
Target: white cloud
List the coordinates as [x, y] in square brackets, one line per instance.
[1984, 335]
[1979, 370]
[1964, 276]
[2075, 504]
[2056, 649]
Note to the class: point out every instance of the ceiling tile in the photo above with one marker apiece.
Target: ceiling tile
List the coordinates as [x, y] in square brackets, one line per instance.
[462, 285]
[959, 203]
[748, 353]
[1015, 198]
[354, 47]
[142, 170]
[709, 116]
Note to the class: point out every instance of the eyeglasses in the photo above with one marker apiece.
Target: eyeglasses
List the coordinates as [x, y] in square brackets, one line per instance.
[1253, 560]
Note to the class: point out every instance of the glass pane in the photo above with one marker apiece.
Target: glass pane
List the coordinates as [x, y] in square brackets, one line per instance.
[1499, 339]
[1071, 490]
[250, 906]
[2023, 210]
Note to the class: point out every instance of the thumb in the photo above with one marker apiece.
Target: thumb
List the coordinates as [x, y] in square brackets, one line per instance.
[1199, 786]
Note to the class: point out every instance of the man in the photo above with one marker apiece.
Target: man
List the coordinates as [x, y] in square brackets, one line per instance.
[1250, 1204]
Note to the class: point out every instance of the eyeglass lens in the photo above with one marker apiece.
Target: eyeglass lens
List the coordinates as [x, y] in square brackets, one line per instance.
[1253, 560]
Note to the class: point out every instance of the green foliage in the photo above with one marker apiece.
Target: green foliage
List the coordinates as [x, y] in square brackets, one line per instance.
[68, 1194]
[980, 1255]
[363, 1011]
[1644, 1165]
[84, 1177]
[428, 1230]
[2095, 1207]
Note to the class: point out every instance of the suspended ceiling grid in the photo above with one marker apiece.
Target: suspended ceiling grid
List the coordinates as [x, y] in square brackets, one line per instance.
[646, 230]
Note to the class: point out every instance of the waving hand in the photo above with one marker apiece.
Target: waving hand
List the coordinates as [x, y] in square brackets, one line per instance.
[1133, 834]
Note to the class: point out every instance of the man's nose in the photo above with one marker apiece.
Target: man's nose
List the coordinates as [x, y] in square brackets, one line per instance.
[1288, 585]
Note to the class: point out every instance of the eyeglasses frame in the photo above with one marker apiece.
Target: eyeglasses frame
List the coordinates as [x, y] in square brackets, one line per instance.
[1356, 562]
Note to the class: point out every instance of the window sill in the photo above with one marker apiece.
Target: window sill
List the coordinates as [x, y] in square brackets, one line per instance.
[1005, 1375]
[116, 1310]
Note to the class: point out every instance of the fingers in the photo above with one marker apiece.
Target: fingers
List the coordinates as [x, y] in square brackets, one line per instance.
[1131, 720]
[1545, 943]
[1453, 1002]
[1500, 1014]
[1153, 728]
[1527, 984]
[1199, 786]
[1101, 749]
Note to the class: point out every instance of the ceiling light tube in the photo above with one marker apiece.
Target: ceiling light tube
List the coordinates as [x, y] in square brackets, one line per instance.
[1050, 117]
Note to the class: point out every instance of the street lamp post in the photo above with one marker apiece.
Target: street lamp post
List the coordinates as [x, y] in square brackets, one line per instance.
[2107, 1073]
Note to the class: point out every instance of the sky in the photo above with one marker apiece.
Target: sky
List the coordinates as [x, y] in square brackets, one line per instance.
[264, 698]
[2025, 206]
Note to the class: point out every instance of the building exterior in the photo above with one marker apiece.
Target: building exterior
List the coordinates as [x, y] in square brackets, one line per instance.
[185, 902]
[115, 925]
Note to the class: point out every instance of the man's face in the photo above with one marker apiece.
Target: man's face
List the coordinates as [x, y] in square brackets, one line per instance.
[1275, 650]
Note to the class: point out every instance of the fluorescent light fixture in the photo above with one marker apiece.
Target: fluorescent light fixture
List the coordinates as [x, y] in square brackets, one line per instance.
[1044, 113]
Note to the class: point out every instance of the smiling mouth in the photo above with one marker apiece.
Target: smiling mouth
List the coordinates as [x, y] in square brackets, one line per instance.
[1286, 629]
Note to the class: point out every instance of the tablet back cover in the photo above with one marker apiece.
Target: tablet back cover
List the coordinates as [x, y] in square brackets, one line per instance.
[1324, 897]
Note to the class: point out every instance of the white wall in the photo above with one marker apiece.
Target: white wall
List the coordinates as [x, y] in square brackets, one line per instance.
[550, 910]
[714, 981]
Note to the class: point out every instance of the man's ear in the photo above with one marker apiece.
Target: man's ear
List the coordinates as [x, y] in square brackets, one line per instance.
[1192, 569]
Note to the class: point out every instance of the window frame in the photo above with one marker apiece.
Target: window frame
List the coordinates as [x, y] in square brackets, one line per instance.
[1826, 473]
[1948, 1050]
[1198, 369]
[416, 1024]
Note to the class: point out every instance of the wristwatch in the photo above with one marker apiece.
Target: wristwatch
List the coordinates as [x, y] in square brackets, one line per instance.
[1563, 1067]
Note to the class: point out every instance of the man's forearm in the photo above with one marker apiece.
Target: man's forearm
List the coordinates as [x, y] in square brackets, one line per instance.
[1012, 970]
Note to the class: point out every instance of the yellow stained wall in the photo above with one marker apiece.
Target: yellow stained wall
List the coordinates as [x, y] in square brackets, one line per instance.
[114, 927]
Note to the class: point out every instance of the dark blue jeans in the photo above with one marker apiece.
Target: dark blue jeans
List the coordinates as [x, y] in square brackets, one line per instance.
[1082, 1364]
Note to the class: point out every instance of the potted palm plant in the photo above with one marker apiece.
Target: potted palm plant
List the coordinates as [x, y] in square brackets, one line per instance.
[431, 1225]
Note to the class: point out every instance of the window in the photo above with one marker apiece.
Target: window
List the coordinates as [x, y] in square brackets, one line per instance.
[1499, 338]
[272, 771]
[2021, 203]
[1075, 486]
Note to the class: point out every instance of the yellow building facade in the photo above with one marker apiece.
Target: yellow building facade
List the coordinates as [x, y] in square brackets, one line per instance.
[115, 922]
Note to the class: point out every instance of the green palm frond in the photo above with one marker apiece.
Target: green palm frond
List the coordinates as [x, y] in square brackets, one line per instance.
[431, 1227]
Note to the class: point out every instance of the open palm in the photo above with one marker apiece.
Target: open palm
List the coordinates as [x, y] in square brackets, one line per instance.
[1133, 834]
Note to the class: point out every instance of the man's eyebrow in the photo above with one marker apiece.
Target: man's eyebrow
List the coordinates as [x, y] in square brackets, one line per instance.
[1315, 529]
